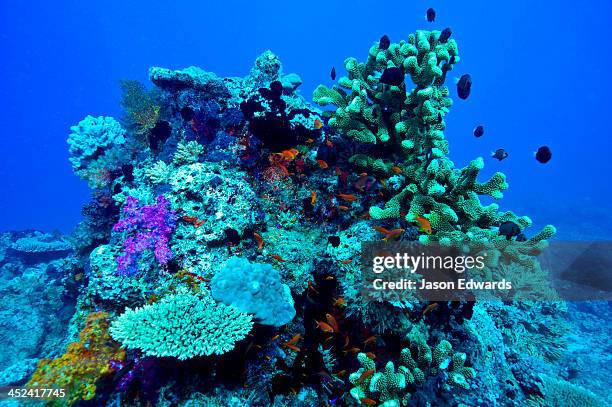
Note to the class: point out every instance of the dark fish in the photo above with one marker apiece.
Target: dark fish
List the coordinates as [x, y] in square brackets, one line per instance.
[544, 154]
[445, 35]
[334, 241]
[509, 229]
[392, 76]
[431, 15]
[384, 42]
[464, 86]
[479, 131]
[500, 154]
[333, 73]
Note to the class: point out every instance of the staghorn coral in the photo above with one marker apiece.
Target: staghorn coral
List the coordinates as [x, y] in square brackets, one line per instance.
[183, 326]
[410, 125]
[83, 364]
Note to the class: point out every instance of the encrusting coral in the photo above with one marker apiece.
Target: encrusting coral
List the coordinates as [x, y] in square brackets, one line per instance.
[83, 364]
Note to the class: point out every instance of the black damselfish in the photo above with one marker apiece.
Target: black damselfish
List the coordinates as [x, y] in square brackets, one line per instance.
[543, 154]
[445, 35]
[479, 131]
[392, 76]
[384, 42]
[431, 15]
[464, 86]
[500, 154]
[333, 73]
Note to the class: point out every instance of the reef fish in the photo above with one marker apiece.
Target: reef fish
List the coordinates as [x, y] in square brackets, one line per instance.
[318, 124]
[430, 15]
[464, 86]
[333, 73]
[334, 241]
[509, 229]
[384, 42]
[543, 154]
[392, 76]
[424, 225]
[347, 197]
[325, 327]
[479, 131]
[445, 35]
[499, 154]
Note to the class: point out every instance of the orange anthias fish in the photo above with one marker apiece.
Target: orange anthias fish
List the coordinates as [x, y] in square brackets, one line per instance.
[339, 302]
[313, 197]
[367, 401]
[193, 220]
[371, 339]
[322, 164]
[318, 124]
[396, 169]
[347, 197]
[289, 155]
[277, 257]
[259, 240]
[382, 230]
[430, 308]
[364, 375]
[325, 327]
[332, 322]
[347, 261]
[393, 234]
[424, 225]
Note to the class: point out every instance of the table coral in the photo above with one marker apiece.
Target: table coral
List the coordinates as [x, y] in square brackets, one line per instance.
[183, 326]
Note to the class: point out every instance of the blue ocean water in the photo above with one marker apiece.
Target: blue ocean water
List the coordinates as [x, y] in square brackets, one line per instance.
[216, 267]
[539, 70]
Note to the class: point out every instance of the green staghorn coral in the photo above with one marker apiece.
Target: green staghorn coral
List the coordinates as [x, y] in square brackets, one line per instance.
[407, 127]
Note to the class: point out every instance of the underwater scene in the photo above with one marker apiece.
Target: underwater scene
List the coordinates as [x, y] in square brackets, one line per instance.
[323, 203]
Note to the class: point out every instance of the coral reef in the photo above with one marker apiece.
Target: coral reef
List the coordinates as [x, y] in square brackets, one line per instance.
[219, 260]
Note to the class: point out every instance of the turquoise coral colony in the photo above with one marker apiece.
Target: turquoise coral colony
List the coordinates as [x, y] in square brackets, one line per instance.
[221, 250]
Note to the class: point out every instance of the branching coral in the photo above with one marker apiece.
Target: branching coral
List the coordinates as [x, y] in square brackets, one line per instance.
[150, 226]
[83, 364]
[183, 326]
[415, 364]
[407, 128]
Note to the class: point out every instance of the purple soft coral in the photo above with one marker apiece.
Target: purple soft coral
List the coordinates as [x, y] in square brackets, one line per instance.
[150, 226]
